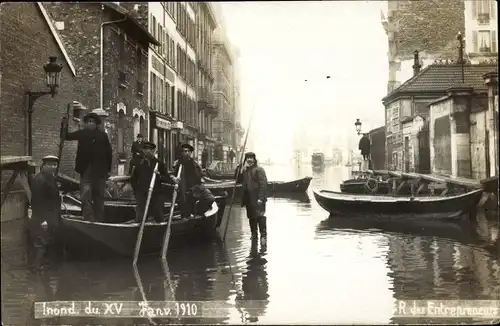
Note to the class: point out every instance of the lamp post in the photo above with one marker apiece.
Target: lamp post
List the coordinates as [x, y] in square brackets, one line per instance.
[358, 126]
[53, 75]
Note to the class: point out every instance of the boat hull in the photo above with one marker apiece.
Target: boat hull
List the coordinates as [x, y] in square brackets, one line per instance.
[373, 206]
[101, 240]
[356, 186]
[296, 186]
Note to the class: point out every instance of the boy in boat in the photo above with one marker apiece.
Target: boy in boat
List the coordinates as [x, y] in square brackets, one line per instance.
[204, 199]
[45, 206]
[141, 180]
[191, 176]
[254, 180]
[136, 150]
[93, 163]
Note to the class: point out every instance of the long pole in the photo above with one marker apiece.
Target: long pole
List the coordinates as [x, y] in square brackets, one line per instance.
[143, 222]
[242, 155]
[141, 289]
[166, 238]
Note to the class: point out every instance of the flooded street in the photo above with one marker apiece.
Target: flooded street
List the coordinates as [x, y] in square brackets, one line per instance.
[315, 269]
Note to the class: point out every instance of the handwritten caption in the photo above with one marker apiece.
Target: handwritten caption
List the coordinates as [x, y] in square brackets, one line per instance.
[482, 309]
[130, 309]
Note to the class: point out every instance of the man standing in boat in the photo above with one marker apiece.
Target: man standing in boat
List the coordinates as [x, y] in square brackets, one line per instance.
[141, 180]
[191, 176]
[254, 180]
[136, 150]
[93, 163]
[45, 206]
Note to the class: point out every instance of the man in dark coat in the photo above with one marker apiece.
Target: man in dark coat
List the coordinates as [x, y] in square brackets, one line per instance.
[93, 163]
[364, 146]
[254, 180]
[203, 199]
[191, 176]
[141, 179]
[231, 155]
[136, 153]
[45, 206]
[178, 151]
[204, 158]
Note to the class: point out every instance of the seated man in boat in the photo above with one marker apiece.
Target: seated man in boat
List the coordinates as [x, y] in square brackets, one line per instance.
[45, 205]
[191, 176]
[141, 179]
[203, 199]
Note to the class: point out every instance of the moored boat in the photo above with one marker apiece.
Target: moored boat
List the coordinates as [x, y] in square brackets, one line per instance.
[219, 176]
[295, 186]
[378, 206]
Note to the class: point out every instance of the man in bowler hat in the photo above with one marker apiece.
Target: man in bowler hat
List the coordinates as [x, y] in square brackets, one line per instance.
[136, 150]
[254, 180]
[93, 163]
[191, 176]
[141, 180]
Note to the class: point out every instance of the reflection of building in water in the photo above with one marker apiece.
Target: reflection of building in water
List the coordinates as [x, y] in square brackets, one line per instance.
[439, 269]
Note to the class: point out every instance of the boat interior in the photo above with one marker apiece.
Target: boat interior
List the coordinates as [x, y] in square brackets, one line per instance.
[384, 198]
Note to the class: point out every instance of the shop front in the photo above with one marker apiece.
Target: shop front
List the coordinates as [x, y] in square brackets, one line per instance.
[161, 134]
[189, 136]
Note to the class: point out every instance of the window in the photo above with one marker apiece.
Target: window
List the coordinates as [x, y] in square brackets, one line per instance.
[121, 132]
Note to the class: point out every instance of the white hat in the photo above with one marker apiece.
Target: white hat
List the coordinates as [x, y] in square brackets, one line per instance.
[49, 158]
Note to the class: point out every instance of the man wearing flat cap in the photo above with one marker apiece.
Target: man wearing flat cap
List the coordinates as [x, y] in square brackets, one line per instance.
[190, 176]
[254, 180]
[141, 180]
[45, 205]
[136, 150]
[93, 163]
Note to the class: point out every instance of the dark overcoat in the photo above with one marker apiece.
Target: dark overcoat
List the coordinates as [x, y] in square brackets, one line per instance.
[254, 182]
[94, 149]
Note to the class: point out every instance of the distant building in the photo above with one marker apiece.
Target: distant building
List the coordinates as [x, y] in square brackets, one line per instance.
[377, 150]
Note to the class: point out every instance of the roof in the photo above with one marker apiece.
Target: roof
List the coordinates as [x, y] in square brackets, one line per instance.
[131, 25]
[406, 119]
[440, 77]
[377, 130]
[56, 37]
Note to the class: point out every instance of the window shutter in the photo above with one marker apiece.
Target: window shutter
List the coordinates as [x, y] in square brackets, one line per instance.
[493, 9]
[475, 48]
[474, 9]
[494, 41]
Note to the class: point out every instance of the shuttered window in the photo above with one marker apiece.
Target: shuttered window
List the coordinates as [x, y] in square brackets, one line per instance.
[494, 41]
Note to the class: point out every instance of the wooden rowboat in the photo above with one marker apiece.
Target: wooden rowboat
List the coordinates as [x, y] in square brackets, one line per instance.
[452, 207]
[295, 186]
[107, 239]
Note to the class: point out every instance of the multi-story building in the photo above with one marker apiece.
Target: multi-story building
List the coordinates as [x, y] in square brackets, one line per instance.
[207, 110]
[222, 65]
[109, 50]
[429, 27]
[239, 132]
[481, 30]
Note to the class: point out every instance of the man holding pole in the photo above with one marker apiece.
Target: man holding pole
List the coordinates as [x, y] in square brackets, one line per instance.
[254, 180]
[141, 178]
[190, 176]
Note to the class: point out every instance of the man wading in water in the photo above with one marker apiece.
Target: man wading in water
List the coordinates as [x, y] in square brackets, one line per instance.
[254, 180]
[45, 207]
[93, 163]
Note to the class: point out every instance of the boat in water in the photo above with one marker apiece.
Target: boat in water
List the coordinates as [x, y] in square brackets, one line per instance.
[404, 207]
[118, 238]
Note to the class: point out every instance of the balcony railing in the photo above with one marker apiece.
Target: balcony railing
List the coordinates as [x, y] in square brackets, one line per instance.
[485, 49]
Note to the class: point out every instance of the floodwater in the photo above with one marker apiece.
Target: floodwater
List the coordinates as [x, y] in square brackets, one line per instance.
[315, 269]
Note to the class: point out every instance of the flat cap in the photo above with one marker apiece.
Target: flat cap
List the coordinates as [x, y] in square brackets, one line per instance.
[50, 158]
[149, 145]
[188, 147]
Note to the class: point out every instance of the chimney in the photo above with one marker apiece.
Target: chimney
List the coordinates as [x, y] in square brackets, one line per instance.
[416, 63]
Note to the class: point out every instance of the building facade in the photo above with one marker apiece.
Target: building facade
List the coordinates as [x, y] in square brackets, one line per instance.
[430, 27]
[222, 65]
[207, 110]
[112, 75]
[481, 27]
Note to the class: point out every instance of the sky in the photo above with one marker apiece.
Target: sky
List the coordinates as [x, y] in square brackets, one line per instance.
[284, 43]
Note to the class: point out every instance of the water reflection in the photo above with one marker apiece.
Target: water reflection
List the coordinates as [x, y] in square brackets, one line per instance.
[314, 270]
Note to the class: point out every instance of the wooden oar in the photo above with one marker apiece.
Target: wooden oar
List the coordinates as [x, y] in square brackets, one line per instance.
[166, 238]
[141, 289]
[62, 135]
[143, 222]
[242, 155]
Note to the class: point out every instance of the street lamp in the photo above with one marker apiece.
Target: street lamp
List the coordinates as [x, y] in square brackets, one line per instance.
[53, 76]
[358, 126]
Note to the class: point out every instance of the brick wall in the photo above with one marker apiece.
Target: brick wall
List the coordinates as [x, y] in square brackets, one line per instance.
[429, 26]
[27, 44]
[81, 36]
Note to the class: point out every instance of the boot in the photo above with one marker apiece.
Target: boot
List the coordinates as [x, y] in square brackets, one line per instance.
[254, 229]
[262, 222]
